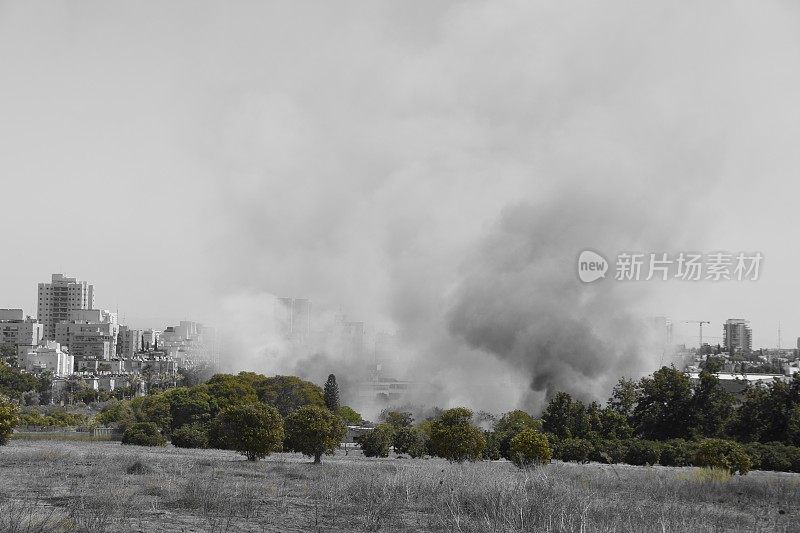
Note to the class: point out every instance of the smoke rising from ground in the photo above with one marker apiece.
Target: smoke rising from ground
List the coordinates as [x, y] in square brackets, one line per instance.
[440, 184]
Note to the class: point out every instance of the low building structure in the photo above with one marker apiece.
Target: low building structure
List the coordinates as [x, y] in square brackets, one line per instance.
[18, 331]
[49, 357]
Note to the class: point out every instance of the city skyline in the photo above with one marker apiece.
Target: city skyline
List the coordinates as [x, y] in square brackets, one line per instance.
[399, 163]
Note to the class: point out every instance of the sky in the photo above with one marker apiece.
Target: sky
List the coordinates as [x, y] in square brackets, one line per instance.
[419, 165]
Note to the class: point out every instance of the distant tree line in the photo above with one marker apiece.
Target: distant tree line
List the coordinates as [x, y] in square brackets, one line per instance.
[662, 419]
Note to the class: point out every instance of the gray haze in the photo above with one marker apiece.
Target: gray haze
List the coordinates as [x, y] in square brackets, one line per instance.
[430, 168]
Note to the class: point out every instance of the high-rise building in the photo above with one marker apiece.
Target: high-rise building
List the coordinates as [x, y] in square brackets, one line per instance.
[293, 316]
[353, 336]
[58, 298]
[737, 336]
[149, 339]
[18, 331]
[129, 341]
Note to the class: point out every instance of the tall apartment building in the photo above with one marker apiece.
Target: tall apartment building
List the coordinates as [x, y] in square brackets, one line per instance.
[129, 341]
[293, 316]
[737, 336]
[353, 336]
[58, 298]
[149, 339]
[19, 331]
[89, 334]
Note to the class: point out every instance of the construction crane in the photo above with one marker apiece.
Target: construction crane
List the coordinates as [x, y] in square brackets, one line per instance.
[700, 322]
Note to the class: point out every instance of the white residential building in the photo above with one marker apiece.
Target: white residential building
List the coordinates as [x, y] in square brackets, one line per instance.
[19, 331]
[50, 357]
[58, 298]
[129, 341]
[189, 343]
[89, 334]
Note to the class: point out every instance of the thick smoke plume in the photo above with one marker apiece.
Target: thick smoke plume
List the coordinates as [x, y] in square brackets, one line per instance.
[438, 180]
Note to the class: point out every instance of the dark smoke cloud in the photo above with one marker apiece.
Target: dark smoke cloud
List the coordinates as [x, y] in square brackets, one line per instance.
[521, 300]
[441, 187]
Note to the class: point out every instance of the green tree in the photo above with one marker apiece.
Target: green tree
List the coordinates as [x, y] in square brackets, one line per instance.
[677, 452]
[190, 436]
[411, 441]
[313, 430]
[767, 413]
[155, 408]
[751, 419]
[711, 407]
[190, 405]
[228, 390]
[349, 415]
[8, 354]
[117, 412]
[574, 449]
[614, 425]
[397, 419]
[663, 410]
[713, 364]
[624, 397]
[14, 382]
[565, 417]
[288, 393]
[642, 452]
[376, 442]
[332, 394]
[143, 434]
[455, 438]
[793, 427]
[252, 429]
[9, 418]
[529, 447]
[509, 425]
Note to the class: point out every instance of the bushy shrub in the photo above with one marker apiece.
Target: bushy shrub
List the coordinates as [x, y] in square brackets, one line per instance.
[117, 413]
[143, 434]
[610, 451]
[190, 436]
[376, 442]
[642, 452]
[774, 456]
[529, 447]
[455, 438]
[576, 450]
[255, 430]
[721, 453]
[9, 417]
[411, 441]
[677, 452]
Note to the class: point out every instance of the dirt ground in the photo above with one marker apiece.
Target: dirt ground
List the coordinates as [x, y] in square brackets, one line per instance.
[105, 486]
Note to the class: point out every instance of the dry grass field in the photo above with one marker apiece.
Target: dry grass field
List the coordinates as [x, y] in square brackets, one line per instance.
[104, 486]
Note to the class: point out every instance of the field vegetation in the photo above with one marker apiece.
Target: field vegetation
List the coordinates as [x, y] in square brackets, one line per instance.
[93, 487]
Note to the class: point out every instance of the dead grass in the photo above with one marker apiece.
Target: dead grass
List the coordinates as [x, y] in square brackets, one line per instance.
[86, 487]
